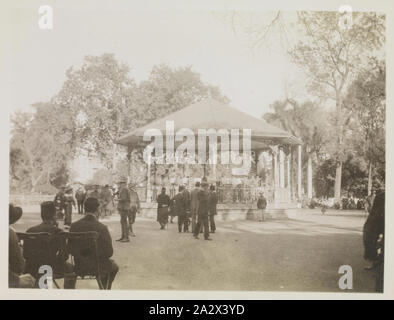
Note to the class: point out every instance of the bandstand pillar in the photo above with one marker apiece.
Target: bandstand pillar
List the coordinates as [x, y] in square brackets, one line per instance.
[281, 168]
[310, 190]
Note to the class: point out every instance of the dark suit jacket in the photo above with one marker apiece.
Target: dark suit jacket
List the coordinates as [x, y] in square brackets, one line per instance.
[212, 202]
[203, 207]
[104, 241]
[34, 253]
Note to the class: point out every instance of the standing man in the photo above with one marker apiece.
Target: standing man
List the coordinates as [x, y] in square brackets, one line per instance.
[212, 204]
[134, 208]
[202, 211]
[180, 208]
[194, 205]
[69, 203]
[262, 204]
[163, 203]
[124, 208]
[80, 196]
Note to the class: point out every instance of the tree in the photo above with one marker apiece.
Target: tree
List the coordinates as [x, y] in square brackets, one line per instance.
[168, 90]
[366, 101]
[41, 145]
[330, 55]
[100, 93]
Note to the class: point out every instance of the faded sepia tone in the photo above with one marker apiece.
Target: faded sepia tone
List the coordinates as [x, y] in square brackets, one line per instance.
[196, 149]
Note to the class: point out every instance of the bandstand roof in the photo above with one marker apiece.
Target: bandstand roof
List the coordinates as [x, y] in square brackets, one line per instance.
[211, 114]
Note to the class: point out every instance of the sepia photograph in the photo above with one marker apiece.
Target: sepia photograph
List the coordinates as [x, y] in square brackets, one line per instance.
[198, 147]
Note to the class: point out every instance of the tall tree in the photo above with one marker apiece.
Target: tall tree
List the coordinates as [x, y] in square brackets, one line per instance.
[330, 54]
[100, 93]
[366, 100]
[42, 144]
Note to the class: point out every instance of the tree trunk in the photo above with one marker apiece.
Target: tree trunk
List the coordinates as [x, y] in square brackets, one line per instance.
[338, 181]
[370, 179]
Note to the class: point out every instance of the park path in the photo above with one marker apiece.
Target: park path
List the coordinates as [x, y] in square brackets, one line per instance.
[300, 254]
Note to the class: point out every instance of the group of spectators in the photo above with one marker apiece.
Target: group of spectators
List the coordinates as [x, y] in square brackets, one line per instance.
[25, 262]
[65, 201]
[196, 208]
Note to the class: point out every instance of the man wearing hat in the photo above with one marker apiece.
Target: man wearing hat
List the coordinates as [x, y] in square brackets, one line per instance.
[69, 203]
[202, 211]
[16, 262]
[57, 247]
[163, 203]
[124, 209]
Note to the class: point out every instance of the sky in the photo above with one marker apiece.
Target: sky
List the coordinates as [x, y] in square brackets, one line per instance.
[143, 37]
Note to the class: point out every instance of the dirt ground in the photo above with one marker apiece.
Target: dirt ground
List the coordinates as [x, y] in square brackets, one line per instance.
[300, 254]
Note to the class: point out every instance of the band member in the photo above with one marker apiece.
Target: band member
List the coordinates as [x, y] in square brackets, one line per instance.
[202, 211]
[212, 204]
[194, 204]
[262, 204]
[80, 196]
[124, 209]
[163, 204]
[134, 208]
[69, 203]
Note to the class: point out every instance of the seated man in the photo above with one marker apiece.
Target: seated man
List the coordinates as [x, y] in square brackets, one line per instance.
[16, 263]
[33, 254]
[84, 259]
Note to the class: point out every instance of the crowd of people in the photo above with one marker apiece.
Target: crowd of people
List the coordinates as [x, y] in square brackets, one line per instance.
[195, 209]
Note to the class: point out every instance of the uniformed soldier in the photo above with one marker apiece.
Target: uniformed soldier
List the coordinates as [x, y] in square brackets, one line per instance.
[134, 208]
[202, 211]
[124, 208]
[163, 204]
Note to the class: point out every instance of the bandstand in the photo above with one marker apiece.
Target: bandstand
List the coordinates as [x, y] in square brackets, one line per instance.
[276, 163]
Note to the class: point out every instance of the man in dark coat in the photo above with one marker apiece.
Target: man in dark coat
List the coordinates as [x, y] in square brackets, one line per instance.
[33, 255]
[181, 203]
[262, 205]
[86, 263]
[212, 204]
[163, 203]
[202, 212]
